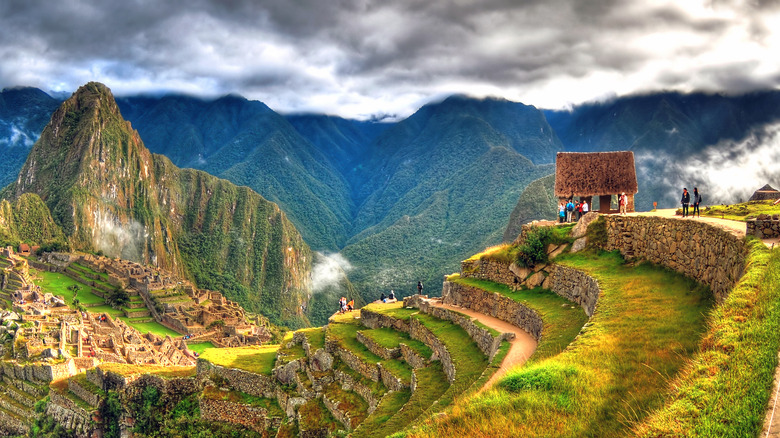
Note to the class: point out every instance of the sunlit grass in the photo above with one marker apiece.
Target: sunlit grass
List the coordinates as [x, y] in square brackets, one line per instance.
[743, 211]
[724, 389]
[255, 359]
[648, 322]
[200, 347]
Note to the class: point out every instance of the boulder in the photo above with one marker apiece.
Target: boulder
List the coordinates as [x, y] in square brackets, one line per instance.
[520, 272]
[579, 244]
[558, 251]
[582, 226]
[535, 280]
[321, 360]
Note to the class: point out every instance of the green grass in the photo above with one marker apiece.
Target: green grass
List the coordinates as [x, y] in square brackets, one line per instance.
[725, 388]
[431, 385]
[562, 319]
[157, 370]
[743, 211]
[233, 396]
[314, 415]
[390, 405]
[316, 338]
[255, 359]
[57, 284]
[154, 327]
[349, 402]
[200, 347]
[648, 323]
[389, 338]
[345, 332]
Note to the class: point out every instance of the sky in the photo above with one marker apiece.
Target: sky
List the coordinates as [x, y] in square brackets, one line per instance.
[372, 59]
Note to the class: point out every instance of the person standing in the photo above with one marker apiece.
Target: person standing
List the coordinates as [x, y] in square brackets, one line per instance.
[696, 202]
[419, 287]
[623, 201]
[569, 210]
[579, 211]
[685, 200]
[584, 207]
[561, 212]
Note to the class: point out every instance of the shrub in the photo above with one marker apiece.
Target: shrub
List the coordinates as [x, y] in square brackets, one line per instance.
[533, 250]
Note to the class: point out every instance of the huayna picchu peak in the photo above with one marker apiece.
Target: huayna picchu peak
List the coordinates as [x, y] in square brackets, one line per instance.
[111, 195]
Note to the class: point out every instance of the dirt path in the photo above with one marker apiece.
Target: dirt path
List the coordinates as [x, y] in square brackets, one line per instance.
[521, 348]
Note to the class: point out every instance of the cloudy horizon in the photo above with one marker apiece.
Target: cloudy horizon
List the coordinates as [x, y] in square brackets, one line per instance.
[363, 58]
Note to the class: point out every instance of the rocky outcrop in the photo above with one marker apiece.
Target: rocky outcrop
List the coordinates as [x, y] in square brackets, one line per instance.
[707, 253]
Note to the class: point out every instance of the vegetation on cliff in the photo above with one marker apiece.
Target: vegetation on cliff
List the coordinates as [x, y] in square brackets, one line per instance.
[28, 220]
[110, 194]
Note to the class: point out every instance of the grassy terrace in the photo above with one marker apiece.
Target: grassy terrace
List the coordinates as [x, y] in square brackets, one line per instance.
[157, 370]
[58, 284]
[648, 323]
[431, 386]
[344, 328]
[740, 212]
[314, 415]
[724, 390]
[349, 402]
[562, 319]
[389, 338]
[233, 396]
[200, 347]
[255, 359]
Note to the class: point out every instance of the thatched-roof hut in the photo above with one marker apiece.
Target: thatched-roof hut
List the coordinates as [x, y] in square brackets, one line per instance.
[764, 193]
[602, 174]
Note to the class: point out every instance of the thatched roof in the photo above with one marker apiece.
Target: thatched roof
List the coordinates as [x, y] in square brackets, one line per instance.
[764, 193]
[595, 173]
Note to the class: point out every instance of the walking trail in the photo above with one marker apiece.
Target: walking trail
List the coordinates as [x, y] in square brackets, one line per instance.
[520, 348]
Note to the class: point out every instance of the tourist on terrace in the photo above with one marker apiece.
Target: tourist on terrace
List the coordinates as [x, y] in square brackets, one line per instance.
[419, 287]
[383, 298]
[584, 207]
[561, 212]
[696, 202]
[685, 200]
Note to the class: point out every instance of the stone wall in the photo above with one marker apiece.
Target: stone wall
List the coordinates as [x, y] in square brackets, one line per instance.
[492, 270]
[369, 371]
[493, 304]
[576, 286]
[711, 255]
[69, 415]
[244, 381]
[377, 320]
[383, 352]
[253, 417]
[423, 334]
[488, 343]
[348, 383]
[764, 227]
[412, 357]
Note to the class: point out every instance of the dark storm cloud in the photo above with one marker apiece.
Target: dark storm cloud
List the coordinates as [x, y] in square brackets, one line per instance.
[359, 57]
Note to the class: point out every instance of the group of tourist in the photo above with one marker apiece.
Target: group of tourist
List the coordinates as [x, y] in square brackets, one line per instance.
[685, 201]
[568, 210]
[390, 298]
[345, 306]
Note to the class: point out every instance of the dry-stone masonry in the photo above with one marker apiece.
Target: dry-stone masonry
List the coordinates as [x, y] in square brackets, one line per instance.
[493, 304]
[485, 340]
[576, 286]
[764, 226]
[696, 249]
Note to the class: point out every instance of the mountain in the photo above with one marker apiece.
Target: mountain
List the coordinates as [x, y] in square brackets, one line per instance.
[110, 194]
[24, 112]
[676, 138]
[28, 220]
[537, 202]
[440, 185]
[249, 144]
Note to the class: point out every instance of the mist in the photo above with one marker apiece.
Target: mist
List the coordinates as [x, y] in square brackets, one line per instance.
[117, 239]
[725, 173]
[328, 270]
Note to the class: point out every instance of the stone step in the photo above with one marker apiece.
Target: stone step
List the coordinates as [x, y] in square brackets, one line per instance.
[9, 404]
[346, 406]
